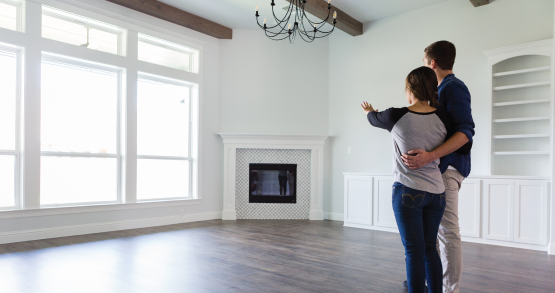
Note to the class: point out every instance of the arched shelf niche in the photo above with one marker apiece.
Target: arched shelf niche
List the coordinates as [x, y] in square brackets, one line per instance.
[521, 107]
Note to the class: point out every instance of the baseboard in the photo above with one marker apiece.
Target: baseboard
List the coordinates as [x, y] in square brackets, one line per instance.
[38, 234]
[316, 215]
[549, 248]
[368, 227]
[333, 216]
[505, 243]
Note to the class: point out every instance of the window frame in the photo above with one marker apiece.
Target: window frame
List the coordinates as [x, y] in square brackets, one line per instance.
[120, 72]
[121, 33]
[16, 153]
[191, 88]
[32, 45]
[193, 53]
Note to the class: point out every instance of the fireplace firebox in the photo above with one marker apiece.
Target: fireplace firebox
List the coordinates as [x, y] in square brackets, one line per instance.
[272, 183]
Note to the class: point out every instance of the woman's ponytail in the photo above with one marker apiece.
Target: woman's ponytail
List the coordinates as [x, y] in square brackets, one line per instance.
[422, 82]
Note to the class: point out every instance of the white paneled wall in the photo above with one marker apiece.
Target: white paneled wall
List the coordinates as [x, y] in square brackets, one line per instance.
[531, 212]
[383, 213]
[507, 211]
[470, 201]
[359, 204]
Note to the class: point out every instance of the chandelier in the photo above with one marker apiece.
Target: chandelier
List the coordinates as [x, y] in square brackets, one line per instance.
[290, 26]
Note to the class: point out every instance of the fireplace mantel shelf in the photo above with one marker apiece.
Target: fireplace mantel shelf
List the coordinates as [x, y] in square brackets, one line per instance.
[234, 141]
[278, 139]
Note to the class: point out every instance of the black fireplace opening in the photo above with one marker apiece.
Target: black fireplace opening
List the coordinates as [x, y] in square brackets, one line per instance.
[272, 183]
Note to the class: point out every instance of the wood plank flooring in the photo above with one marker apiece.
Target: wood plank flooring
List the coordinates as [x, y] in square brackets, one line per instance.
[250, 256]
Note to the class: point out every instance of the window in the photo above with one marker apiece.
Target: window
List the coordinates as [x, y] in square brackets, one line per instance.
[163, 138]
[10, 12]
[9, 155]
[76, 30]
[168, 54]
[82, 127]
[79, 132]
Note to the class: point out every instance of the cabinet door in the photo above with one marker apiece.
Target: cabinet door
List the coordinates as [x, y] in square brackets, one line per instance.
[470, 202]
[531, 212]
[498, 209]
[383, 209]
[358, 200]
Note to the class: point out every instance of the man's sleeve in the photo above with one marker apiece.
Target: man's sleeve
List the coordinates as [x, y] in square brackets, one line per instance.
[386, 119]
[458, 108]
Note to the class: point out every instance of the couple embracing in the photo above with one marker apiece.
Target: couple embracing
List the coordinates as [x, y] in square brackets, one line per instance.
[432, 140]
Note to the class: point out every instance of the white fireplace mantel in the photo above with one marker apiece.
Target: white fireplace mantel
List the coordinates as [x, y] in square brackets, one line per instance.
[315, 143]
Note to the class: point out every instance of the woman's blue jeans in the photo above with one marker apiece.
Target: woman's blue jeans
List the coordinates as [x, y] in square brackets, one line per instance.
[418, 215]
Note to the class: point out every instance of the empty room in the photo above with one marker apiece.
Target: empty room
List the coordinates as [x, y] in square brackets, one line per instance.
[270, 146]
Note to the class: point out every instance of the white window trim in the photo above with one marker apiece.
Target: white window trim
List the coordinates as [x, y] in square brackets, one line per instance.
[17, 151]
[33, 44]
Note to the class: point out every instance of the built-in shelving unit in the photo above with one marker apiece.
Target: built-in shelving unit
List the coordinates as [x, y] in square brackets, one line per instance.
[521, 95]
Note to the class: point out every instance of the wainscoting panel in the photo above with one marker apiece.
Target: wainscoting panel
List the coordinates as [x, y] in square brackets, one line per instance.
[299, 210]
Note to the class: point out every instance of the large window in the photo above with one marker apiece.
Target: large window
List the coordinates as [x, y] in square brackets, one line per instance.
[163, 138]
[82, 127]
[9, 154]
[79, 132]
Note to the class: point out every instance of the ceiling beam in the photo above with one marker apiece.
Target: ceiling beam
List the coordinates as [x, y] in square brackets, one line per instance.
[345, 22]
[477, 3]
[174, 15]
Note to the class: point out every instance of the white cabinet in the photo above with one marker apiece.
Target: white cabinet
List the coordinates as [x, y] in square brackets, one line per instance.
[383, 209]
[358, 202]
[531, 212]
[499, 209]
[470, 202]
[511, 211]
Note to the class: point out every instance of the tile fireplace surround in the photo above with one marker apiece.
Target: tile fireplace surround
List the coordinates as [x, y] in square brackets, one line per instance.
[233, 142]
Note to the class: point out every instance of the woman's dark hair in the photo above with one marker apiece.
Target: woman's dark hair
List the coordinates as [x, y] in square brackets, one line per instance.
[422, 82]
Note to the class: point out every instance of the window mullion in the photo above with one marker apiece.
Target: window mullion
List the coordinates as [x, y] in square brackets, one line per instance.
[129, 122]
[31, 110]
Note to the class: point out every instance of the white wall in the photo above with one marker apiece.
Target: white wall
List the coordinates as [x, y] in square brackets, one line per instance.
[30, 224]
[273, 87]
[373, 68]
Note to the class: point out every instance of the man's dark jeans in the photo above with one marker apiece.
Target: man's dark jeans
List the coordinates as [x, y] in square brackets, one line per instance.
[418, 215]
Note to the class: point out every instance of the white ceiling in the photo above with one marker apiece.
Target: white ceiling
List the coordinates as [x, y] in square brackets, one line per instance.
[239, 14]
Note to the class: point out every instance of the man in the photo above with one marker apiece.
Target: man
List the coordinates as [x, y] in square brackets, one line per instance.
[454, 98]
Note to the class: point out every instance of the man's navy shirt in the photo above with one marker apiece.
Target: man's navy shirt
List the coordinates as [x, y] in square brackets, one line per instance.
[454, 98]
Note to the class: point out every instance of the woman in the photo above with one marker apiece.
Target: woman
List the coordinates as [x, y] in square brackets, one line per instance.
[418, 195]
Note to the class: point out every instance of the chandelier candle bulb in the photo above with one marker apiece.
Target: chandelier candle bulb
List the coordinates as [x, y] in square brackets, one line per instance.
[335, 14]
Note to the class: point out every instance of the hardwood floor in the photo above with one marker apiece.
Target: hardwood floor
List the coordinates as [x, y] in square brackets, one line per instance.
[250, 256]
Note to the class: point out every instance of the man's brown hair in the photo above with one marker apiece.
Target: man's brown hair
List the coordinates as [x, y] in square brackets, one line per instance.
[443, 53]
[422, 82]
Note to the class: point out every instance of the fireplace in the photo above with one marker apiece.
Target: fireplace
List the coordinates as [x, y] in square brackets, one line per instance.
[272, 183]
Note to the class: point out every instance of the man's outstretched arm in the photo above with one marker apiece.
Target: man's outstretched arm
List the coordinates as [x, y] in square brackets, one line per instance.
[419, 158]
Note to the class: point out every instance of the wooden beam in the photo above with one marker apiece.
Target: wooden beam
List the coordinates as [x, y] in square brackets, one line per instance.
[477, 3]
[345, 22]
[174, 15]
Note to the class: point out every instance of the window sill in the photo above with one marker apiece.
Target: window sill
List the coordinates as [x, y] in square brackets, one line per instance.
[51, 211]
